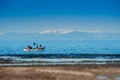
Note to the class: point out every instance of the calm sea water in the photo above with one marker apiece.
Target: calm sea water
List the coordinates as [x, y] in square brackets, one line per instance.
[62, 51]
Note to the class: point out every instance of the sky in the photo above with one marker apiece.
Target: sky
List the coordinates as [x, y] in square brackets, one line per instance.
[31, 16]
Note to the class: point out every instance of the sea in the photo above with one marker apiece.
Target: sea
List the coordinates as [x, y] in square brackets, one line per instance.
[60, 52]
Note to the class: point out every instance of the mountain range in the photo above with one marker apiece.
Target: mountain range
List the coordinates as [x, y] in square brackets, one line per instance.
[71, 35]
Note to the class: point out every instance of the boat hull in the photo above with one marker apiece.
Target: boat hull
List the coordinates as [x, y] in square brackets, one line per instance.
[34, 49]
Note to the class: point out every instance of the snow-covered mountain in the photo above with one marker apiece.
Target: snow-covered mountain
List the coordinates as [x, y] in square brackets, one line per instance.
[61, 35]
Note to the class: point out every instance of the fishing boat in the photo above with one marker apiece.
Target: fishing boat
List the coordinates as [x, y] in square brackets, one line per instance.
[34, 49]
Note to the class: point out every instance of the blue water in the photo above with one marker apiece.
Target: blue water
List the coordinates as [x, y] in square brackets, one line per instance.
[78, 51]
[63, 47]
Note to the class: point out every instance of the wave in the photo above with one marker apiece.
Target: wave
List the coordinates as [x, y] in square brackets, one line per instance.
[62, 59]
[92, 56]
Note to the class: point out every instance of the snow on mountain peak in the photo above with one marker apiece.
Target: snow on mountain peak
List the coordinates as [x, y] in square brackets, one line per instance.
[65, 31]
[62, 31]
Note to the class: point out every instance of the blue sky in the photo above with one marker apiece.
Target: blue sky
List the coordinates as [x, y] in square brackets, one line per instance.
[39, 15]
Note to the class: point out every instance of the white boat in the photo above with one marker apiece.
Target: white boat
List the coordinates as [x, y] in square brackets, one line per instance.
[34, 49]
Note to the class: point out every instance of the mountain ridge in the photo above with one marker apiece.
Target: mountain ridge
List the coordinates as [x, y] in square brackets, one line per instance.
[73, 35]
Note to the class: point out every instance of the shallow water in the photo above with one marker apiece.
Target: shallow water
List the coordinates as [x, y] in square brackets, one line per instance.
[111, 77]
